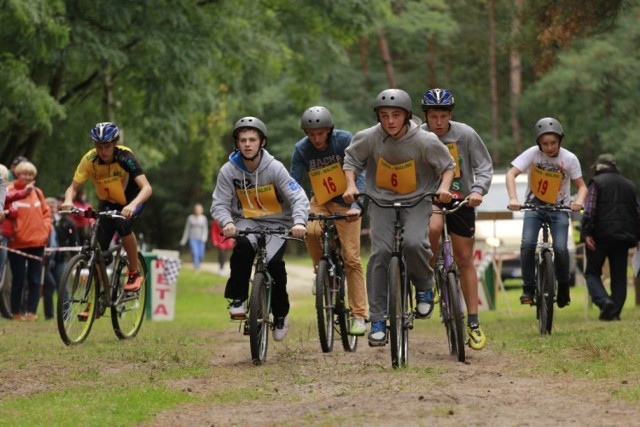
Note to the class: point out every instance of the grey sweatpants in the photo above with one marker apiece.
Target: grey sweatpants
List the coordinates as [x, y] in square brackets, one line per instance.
[416, 248]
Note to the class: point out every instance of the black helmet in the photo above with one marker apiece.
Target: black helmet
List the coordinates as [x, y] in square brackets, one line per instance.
[437, 98]
[252, 123]
[316, 117]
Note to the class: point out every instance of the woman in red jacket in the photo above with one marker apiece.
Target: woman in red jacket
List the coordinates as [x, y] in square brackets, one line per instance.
[223, 245]
[28, 228]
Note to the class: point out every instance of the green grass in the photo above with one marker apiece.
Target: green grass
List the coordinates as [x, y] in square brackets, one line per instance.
[127, 382]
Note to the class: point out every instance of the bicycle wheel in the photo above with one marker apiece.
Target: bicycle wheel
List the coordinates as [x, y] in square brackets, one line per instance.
[546, 293]
[259, 319]
[399, 335]
[77, 300]
[325, 306]
[445, 311]
[127, 310]
[349, 342]
[457, 331]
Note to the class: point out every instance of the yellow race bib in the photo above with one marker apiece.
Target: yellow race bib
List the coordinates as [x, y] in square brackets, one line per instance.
[260, 201]
[545, 185]
[399, 178]
[453, 150]
[111, 189]
[328, 182]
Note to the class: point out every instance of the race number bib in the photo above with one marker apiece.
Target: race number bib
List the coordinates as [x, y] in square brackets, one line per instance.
[545, 185]
[399, 178]
[328, 182]
[453, 150]
[260, 201]
[111, 189]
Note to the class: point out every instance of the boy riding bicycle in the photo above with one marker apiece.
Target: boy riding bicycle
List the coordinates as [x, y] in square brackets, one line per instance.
[402, 163]
[120, 185]
[473, 174]
[254, 189]
[551, 170]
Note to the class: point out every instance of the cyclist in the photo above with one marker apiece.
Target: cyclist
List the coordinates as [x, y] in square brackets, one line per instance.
[402, 162]
[472, 179]
[254, 189]
[120, 184]
[320, 155]
[551, 170]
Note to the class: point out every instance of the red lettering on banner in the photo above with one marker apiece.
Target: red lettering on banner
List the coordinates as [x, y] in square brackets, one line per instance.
[161, 309]
[161, 279]
[477, 254]
[160, 263]
[162, 292]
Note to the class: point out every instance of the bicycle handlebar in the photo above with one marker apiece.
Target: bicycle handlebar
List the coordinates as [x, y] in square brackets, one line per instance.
[550, 208]
[395, 204]
[457, 204]
[281, 232]
[336, 215]
[90, 213]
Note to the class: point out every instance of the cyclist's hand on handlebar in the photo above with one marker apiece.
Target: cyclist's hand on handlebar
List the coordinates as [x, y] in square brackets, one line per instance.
[353, 214]
[299, 231]
[475, 199]
[229, 230]
[444, 196]
[349, 196]
[128, 210]
[514, 205]
[576, 207]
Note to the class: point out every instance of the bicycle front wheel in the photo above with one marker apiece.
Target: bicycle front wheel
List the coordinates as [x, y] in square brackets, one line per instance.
[325, 306]
[127, 310]
[77, 299]
[399, 334]
[456, 330]
[546, 293]
[259, 319]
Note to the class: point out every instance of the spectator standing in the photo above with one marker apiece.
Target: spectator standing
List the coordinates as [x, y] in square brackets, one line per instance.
[30, 226]
[222, 245]
[610, 226]
[195, 233]
[14, 163]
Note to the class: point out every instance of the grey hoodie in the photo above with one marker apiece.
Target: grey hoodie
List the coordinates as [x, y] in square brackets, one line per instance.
[431, 158]
[233, 175]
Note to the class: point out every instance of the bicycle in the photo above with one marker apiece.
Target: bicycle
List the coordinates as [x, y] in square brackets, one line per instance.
[88, 287]
[331, 307]
[400, 308]
[260, 319]
[447, 277]
[546, 286]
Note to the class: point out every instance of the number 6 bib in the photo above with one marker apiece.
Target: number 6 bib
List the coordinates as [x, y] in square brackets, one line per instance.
[400, 178]
[263, 204]
[545, 185]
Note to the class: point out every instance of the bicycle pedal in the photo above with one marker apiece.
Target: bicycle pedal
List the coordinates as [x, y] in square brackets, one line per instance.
[245, 328]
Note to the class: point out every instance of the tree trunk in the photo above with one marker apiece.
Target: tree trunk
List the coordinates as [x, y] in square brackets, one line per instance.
[515, 77]
[386, 58]
[493, 80]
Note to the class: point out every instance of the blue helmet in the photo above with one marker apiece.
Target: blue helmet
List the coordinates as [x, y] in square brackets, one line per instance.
[105, 132]
[437, 98]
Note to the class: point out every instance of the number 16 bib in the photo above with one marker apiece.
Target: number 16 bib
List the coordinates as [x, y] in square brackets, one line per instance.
[328, 182]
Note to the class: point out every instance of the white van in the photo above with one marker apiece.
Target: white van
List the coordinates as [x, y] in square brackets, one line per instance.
[500, 229]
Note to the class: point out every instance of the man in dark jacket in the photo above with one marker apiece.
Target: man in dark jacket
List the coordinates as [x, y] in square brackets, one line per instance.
[610, 226]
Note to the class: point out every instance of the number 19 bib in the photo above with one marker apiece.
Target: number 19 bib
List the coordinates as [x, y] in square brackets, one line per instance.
[263, 204]
[328, 182]
[545, 185]
[399, 178]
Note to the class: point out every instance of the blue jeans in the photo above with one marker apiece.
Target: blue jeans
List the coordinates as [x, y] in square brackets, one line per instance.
[559, 225]
[197, 251]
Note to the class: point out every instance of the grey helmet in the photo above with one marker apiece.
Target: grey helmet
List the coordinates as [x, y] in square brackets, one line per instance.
[253, 123]
[393, 98]
[548, 125]
[316, 117]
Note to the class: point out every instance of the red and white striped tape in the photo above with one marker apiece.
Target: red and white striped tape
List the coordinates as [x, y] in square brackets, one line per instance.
[47, 251]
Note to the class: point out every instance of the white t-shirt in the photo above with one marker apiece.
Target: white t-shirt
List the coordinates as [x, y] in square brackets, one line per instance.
[566, 164]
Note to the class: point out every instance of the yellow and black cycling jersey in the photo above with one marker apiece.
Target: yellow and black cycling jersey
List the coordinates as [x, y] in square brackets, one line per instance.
[114, 182]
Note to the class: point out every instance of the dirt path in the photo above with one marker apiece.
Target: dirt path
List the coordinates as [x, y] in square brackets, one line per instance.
[299, 385]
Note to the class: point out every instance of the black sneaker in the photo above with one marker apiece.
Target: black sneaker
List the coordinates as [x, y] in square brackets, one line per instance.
[607, 311]
[528, 295]
[563, 299]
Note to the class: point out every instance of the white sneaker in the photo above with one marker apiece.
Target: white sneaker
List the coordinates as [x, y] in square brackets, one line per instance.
[222, 272]
[237, 310]
[281, 329]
